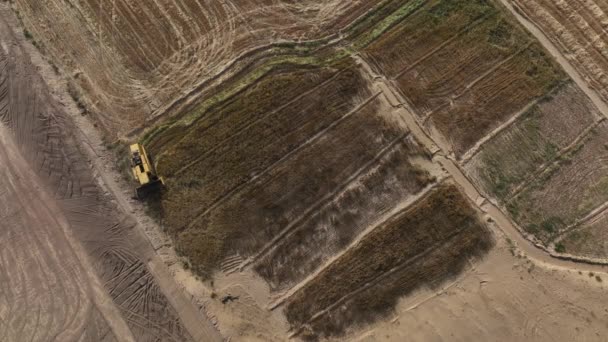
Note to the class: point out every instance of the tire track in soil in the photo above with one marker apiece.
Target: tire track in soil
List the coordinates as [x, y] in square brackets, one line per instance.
[87, 247]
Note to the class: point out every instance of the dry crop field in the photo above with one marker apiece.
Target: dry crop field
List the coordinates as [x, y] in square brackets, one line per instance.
[279, 165]
[289, 166]
[578, 28]
[293, 138]
[465, 67]
[567, 190]
[548, 167]
[589, 239]
[533, 141]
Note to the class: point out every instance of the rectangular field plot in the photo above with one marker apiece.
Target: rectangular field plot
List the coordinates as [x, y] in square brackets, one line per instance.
[227, 158]
[335, 223]
[420, 246]
[215, 216]
[468, 74]
[590, 240]
[578, 27]
[567, 190]
[532, 141]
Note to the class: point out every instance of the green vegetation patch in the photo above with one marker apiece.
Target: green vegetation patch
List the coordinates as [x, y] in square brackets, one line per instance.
[569, 189]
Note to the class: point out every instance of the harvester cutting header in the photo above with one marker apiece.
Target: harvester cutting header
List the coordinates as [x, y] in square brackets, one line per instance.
[144, 172]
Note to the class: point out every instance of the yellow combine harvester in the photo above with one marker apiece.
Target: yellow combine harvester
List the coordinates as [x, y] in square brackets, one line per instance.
[143, 172]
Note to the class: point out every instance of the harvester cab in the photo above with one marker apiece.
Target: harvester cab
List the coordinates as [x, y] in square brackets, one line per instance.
[144, 173]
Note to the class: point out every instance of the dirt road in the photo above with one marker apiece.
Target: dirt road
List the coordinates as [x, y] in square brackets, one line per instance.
[73, 265]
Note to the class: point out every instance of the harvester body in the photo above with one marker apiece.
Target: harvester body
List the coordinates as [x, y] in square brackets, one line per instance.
[143, 172]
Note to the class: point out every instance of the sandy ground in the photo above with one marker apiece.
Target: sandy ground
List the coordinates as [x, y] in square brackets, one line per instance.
[48, 287]
[74, 264]
[507, 297]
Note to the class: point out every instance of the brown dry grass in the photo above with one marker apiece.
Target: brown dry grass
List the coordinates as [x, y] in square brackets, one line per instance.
[467, 65]
[333, 227]
[249, 218]
[421, 246]
[264, 140]
[428, 28]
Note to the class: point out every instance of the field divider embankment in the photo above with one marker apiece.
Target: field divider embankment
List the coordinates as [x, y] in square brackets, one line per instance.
[287, 156]
[402, 206]
[294, 225]
[548, 167]
[401, 266]
[253, 122]
[514, 118]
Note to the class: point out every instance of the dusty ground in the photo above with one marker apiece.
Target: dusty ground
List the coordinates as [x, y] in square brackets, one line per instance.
[323, 187]
[74, 265]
